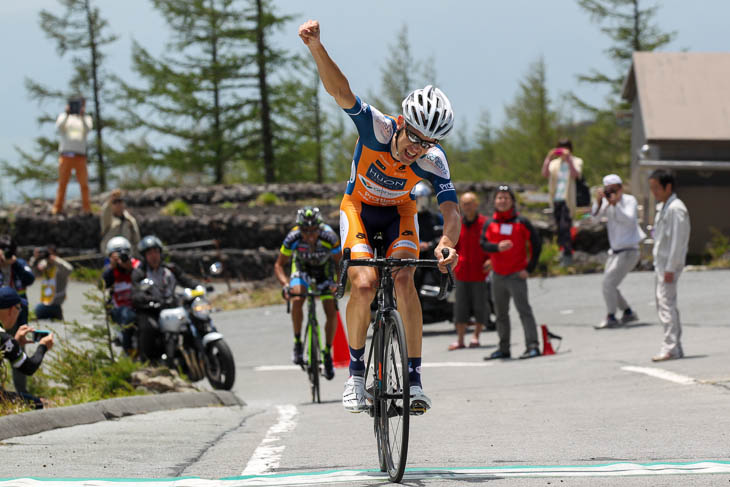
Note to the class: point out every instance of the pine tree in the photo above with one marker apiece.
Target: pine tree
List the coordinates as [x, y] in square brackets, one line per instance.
[630, 28]
[530, 130]
[82, 33]
[402, 73]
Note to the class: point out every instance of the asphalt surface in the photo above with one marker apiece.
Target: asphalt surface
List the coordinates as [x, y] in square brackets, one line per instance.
[508, 422]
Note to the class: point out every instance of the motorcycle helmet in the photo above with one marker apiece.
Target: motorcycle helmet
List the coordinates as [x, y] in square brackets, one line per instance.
[429, 111]
[308, 216]
[149, 242]
[118, 244]
[422, 194]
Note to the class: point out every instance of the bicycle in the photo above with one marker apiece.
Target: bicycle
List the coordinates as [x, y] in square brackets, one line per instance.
[312, 363]
[388, 355]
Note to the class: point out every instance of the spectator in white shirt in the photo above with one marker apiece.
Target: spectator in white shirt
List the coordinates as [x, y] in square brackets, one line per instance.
[671, 237]
[73, 125]
[624, 235]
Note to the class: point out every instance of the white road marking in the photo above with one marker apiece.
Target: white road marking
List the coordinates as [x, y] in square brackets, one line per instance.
[662, 374]
[430, 365]
[267, 455]
[373, 477]
[566, 312]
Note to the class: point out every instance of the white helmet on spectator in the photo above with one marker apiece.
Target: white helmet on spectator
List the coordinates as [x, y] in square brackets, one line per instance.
[429, 111]
[422, 194]
[118, 244]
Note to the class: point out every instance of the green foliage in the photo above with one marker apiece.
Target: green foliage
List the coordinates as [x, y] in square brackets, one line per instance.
[719, 249]
[86, 274]
[529, 132]
[177, 207]
[81, 366]
[267, 199]
[228, 205]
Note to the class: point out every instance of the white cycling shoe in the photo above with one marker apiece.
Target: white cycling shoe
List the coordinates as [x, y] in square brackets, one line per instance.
[420, 403]
[354, 397]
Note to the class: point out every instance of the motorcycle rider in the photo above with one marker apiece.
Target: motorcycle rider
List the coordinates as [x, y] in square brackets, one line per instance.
[148, 302]
[314, 249]
[117, 277]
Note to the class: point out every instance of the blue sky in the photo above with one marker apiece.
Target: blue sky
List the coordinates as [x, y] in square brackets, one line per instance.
[481, 48]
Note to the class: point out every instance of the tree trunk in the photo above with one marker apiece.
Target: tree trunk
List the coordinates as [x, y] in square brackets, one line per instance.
[98, 124]
[266, 134]
[220, 169]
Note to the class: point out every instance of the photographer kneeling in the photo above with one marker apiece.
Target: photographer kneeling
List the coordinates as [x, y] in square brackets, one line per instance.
[149, 300]
[10, 306]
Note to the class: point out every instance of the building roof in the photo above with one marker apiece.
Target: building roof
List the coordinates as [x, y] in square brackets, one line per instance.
[682, 95]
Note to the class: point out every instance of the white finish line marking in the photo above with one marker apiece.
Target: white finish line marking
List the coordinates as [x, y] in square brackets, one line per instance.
[375, 477]
[429, 365]
[267, 455]
[662, 374]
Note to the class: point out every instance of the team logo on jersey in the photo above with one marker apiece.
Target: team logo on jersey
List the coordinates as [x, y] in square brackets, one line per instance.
[361, 236]
[402, 167]
[390, 182]
[407, 233]
[405, 243]
[446, 187]
[377, 194]
[380, 164]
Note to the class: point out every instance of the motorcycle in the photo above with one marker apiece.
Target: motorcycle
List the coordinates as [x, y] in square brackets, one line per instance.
[190, 341]
[427, 280]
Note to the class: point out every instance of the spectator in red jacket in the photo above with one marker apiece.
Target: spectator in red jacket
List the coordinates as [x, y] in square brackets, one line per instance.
[470, 272]
[510, 238]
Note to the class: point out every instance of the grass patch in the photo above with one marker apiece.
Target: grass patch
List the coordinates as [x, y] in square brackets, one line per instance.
[177, 207]
[228, 205]
[266, 199]
[719, 249]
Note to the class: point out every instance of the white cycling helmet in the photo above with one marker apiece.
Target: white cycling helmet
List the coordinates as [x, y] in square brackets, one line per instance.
[422, 189]
[118, 244]
[429, 111]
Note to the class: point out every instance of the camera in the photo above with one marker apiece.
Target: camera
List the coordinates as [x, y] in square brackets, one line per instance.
[8, 246]
[609, 191]
[37, 335]
[124, 256]
[74, 106]
[43, 253]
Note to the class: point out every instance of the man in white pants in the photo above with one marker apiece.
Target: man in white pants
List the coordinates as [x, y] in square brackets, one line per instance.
[624, 236]
[671, 236]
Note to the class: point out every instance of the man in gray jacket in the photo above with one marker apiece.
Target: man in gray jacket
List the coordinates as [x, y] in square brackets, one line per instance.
[671, 236]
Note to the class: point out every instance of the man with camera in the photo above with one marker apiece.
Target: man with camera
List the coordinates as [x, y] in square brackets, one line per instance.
[12, 346]
[53, 272]
[624, 235]
[73, 125]
[117, 277]
[116, 221]
[147, 303]
[563, 169]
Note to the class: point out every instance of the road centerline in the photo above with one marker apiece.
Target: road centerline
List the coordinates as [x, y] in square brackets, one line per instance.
[266, 457]
[662, 374]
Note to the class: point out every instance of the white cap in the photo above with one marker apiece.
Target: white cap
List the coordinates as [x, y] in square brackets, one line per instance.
[611, 179]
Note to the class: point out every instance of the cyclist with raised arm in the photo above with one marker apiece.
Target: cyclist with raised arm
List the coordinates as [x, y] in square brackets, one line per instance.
[391, 156]
[314, 251]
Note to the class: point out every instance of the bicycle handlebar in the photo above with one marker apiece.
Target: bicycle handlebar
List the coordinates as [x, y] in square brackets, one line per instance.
[445, 285]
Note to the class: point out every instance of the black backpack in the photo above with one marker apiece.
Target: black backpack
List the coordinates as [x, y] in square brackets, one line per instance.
[583, 192]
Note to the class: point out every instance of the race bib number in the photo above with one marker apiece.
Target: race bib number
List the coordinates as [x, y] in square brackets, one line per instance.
[505, 229]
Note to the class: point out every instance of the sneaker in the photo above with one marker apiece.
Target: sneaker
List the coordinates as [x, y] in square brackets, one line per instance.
[629, 317]
[530, 353]
[354, 398]
[329, 368]
[298, 354]
[498, 354]
[608, 323]
[420, 403]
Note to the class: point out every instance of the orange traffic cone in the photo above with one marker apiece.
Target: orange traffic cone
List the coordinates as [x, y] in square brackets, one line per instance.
[340, 349]
[547, 347]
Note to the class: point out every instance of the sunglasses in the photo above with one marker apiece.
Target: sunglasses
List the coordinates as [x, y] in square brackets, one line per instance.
[415, 139]
[310, 230]
[503, 187]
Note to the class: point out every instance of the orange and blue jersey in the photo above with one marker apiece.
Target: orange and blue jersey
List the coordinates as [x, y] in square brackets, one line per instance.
[376, 178]
[379, 194]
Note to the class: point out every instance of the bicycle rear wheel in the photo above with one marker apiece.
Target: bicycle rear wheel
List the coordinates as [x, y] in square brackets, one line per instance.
[313, 359]
[394, 398]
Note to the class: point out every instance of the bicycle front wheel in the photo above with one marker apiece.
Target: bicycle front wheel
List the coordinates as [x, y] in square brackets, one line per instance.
[394, 400]
[313, 360]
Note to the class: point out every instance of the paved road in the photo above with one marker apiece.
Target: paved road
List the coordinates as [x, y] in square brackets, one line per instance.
[592, 404]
